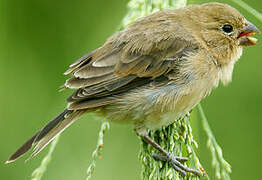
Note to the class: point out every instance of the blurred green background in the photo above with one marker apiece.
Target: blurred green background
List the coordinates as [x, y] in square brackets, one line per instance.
[39, 39]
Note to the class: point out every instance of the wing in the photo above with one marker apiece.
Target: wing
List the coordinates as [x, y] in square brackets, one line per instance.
[146, 53]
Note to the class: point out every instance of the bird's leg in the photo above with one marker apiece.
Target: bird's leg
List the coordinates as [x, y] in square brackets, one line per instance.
[175, 162]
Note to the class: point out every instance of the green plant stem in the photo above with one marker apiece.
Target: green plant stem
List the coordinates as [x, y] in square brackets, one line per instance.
[221, 166]
[248, 8]
[176, 138]
[39, 172]
[98, 151]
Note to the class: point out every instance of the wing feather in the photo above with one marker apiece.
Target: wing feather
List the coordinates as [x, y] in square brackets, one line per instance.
[89, 71]
[76, 83]
[109, 59]
[129, 59]
[83, 60]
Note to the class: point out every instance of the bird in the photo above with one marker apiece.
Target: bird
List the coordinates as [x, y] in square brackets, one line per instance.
[153, 72]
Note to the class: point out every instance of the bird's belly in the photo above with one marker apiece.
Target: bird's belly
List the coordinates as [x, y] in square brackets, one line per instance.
[178, 109]
[154, 108]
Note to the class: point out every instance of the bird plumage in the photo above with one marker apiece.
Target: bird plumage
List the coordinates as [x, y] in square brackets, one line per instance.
[154, 71]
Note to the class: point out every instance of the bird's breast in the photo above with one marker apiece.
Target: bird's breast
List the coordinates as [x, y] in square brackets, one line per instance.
[157, 107]
[175, 104]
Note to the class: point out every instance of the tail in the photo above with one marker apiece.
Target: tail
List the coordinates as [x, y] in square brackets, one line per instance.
[43, 137]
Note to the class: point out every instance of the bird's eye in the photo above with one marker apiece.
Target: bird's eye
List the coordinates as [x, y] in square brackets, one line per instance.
[227, 28]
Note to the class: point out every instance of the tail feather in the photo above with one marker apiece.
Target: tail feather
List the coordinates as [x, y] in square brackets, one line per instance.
[52, 124]
[23, 149]
[59, 128]
[43, 137]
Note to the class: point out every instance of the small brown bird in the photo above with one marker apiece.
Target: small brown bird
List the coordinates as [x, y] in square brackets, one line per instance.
[153, 72]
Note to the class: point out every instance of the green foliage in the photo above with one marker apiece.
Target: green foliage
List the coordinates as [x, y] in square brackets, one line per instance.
[221, 166]
[98, 151]
[248, 8]
[176, 138]
[39, 172]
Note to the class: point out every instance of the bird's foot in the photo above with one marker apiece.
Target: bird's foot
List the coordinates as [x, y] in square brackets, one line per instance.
[176, 163]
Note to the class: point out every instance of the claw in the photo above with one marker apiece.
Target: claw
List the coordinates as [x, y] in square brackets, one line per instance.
[160, 157]
[181, 159]
[175, 162]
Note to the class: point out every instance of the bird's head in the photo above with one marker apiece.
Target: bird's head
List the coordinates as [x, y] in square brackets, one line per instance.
[223, 29]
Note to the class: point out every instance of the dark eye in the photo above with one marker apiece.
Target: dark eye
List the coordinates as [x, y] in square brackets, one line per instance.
[227, 28]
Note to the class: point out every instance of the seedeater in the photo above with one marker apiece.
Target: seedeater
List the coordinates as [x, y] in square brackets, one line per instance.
[153, 72]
